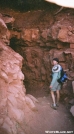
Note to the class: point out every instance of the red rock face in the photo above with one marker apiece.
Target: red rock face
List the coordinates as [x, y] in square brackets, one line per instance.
[38, 44]
[41, 38]
[13, 98]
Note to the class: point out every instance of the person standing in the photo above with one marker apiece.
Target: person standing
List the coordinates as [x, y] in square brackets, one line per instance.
[55, 86]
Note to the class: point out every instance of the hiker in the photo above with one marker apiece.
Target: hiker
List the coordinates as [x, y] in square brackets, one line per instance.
[55, 86]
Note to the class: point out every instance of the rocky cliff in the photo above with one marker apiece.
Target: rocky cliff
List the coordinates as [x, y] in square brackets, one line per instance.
[39, 36]
[14, 103]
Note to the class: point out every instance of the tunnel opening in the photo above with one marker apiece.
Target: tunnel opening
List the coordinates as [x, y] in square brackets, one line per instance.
[35, 84]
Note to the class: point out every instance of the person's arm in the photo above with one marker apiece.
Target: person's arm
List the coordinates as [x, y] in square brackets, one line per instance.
[53, 79]
[64, 3]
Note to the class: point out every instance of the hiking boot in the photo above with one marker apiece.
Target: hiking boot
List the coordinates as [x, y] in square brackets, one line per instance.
[57, 105]
[54, 107]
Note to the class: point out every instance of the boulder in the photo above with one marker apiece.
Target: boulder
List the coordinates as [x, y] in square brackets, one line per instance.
[30, 35]
[65, 35]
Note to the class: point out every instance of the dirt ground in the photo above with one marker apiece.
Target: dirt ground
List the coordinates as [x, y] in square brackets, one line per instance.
[46, 119]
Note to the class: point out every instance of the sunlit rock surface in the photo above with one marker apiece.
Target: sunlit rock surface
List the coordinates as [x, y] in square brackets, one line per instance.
[14, 103]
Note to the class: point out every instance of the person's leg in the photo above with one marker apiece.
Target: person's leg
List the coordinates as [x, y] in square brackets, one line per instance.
[58, 96]
[53, 98]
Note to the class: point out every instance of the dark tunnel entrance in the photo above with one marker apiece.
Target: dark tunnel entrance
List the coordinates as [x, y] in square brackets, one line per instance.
[36, 78]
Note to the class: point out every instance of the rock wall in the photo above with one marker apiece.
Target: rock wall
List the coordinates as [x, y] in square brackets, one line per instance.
[39, 36]
[14, 102]
[38, 40]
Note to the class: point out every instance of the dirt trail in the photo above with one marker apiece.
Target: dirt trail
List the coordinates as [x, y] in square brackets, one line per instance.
[47, 119]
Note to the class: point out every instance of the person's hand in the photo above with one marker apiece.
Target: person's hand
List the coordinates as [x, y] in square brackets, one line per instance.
[50, 87]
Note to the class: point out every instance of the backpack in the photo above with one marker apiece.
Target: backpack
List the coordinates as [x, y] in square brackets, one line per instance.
[63, 77]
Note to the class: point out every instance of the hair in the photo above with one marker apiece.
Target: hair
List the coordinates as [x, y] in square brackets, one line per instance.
[56, 59]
